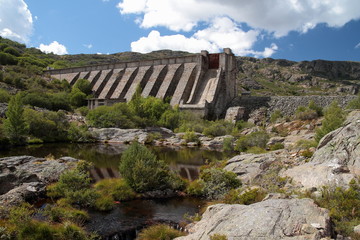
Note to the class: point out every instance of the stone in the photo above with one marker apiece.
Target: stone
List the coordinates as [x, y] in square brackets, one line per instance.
[249, 166]
[273, 219]
[357, 229]
[336, 160]
[24, 178]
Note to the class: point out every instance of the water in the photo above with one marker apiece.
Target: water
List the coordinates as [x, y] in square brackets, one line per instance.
[128, 217]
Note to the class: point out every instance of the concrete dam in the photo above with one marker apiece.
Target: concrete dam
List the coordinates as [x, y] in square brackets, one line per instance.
[203, 83]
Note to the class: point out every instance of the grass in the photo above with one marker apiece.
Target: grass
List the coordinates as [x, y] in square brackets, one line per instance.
[159, 232]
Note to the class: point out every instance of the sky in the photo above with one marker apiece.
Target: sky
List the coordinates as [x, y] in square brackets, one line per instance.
[282, 29]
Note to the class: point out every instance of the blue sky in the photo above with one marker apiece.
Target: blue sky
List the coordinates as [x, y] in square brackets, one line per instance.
[290, 29]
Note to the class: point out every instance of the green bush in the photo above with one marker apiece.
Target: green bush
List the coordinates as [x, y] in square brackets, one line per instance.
[218, 128]
[142, 170]
[118, 189]
[217, 236]
[4, 96]
[191, 136]
[170, 119]
[65, 213]
[246, 197]
[228, 144]
[159, 232]
[83, 85]
[47, 126]
[7, 59]
[75, 186]
[255, 139]
[334, 117]
[256, 150]
[312, 111]
[77, 133]
[276, 146]
[218, 182]
[196, 188]
[105, 203]
[83, 111]
[77, 98]
[12, 51]
[275, 116]
[354, 104]
[119, 115]
[344, 205]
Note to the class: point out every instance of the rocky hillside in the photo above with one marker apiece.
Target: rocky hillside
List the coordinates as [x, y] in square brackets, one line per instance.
[283, 77]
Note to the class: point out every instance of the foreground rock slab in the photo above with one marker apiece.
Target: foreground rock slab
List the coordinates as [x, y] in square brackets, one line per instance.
[295, 219]
[336, 160]
[24, 178]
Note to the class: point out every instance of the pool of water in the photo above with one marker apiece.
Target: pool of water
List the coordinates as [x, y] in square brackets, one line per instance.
[128, 217]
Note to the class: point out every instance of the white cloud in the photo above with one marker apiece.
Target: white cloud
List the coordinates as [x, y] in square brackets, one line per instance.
[16, 20]
[53, 47]
[89, 46]
[357, 45]
[274, 16]
[221, 33]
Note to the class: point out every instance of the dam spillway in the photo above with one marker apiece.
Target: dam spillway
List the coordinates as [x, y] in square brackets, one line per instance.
[203, 83]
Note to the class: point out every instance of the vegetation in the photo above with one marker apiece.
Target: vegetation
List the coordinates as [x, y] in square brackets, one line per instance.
[354, 104]
[217, 236]
[143, 172]
[213, 183]
[159, 232]
[14, 125]
[246, 197]
[255, 139]
[344, 205]
[334, 117]
[312, 111]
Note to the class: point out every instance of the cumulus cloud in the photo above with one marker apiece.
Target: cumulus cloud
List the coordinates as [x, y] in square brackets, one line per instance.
[274, 16]
[16, 20]
[53, 47]
[357, 45]
[221, 33]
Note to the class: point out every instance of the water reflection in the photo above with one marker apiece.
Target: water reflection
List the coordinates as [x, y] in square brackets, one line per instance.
[106, 157]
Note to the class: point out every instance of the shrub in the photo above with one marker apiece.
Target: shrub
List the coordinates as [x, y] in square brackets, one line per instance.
[276, 146]
[83, 111]
[313, 106]
[343, 205]
[255, 139]
[218, 182]
[77, 98]
[196, 188]
[246, 197]
[217, 236]
[4, 96]
[218, 128]
[306, 144]
[118, 189]
[65, 213]
[333, 119]
[83, 85]
[190, 136]
[354, 104]
[12, 51]
[256, 150]
[228, 144]
[77, 133]
[275, 116]
[7, 59]
[159, 232]
[104, 203]
[142, 170]
[170, 119]
[75, 187]
[119, 115]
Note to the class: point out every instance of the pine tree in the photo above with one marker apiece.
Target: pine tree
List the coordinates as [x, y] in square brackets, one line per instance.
[14, 125]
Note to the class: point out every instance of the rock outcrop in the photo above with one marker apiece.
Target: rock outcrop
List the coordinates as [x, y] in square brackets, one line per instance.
[268, 220]
[24, 178]
[249, 166]
[336, 160]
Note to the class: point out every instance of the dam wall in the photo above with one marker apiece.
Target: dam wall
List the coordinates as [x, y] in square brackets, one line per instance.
[203, 83]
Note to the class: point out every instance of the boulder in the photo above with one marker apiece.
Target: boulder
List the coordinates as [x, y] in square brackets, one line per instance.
[336, 160]
[23, 178]
[272, 219]
[128, 135]
[250, 166]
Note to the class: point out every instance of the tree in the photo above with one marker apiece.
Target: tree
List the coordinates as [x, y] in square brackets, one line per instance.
[14, 125]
